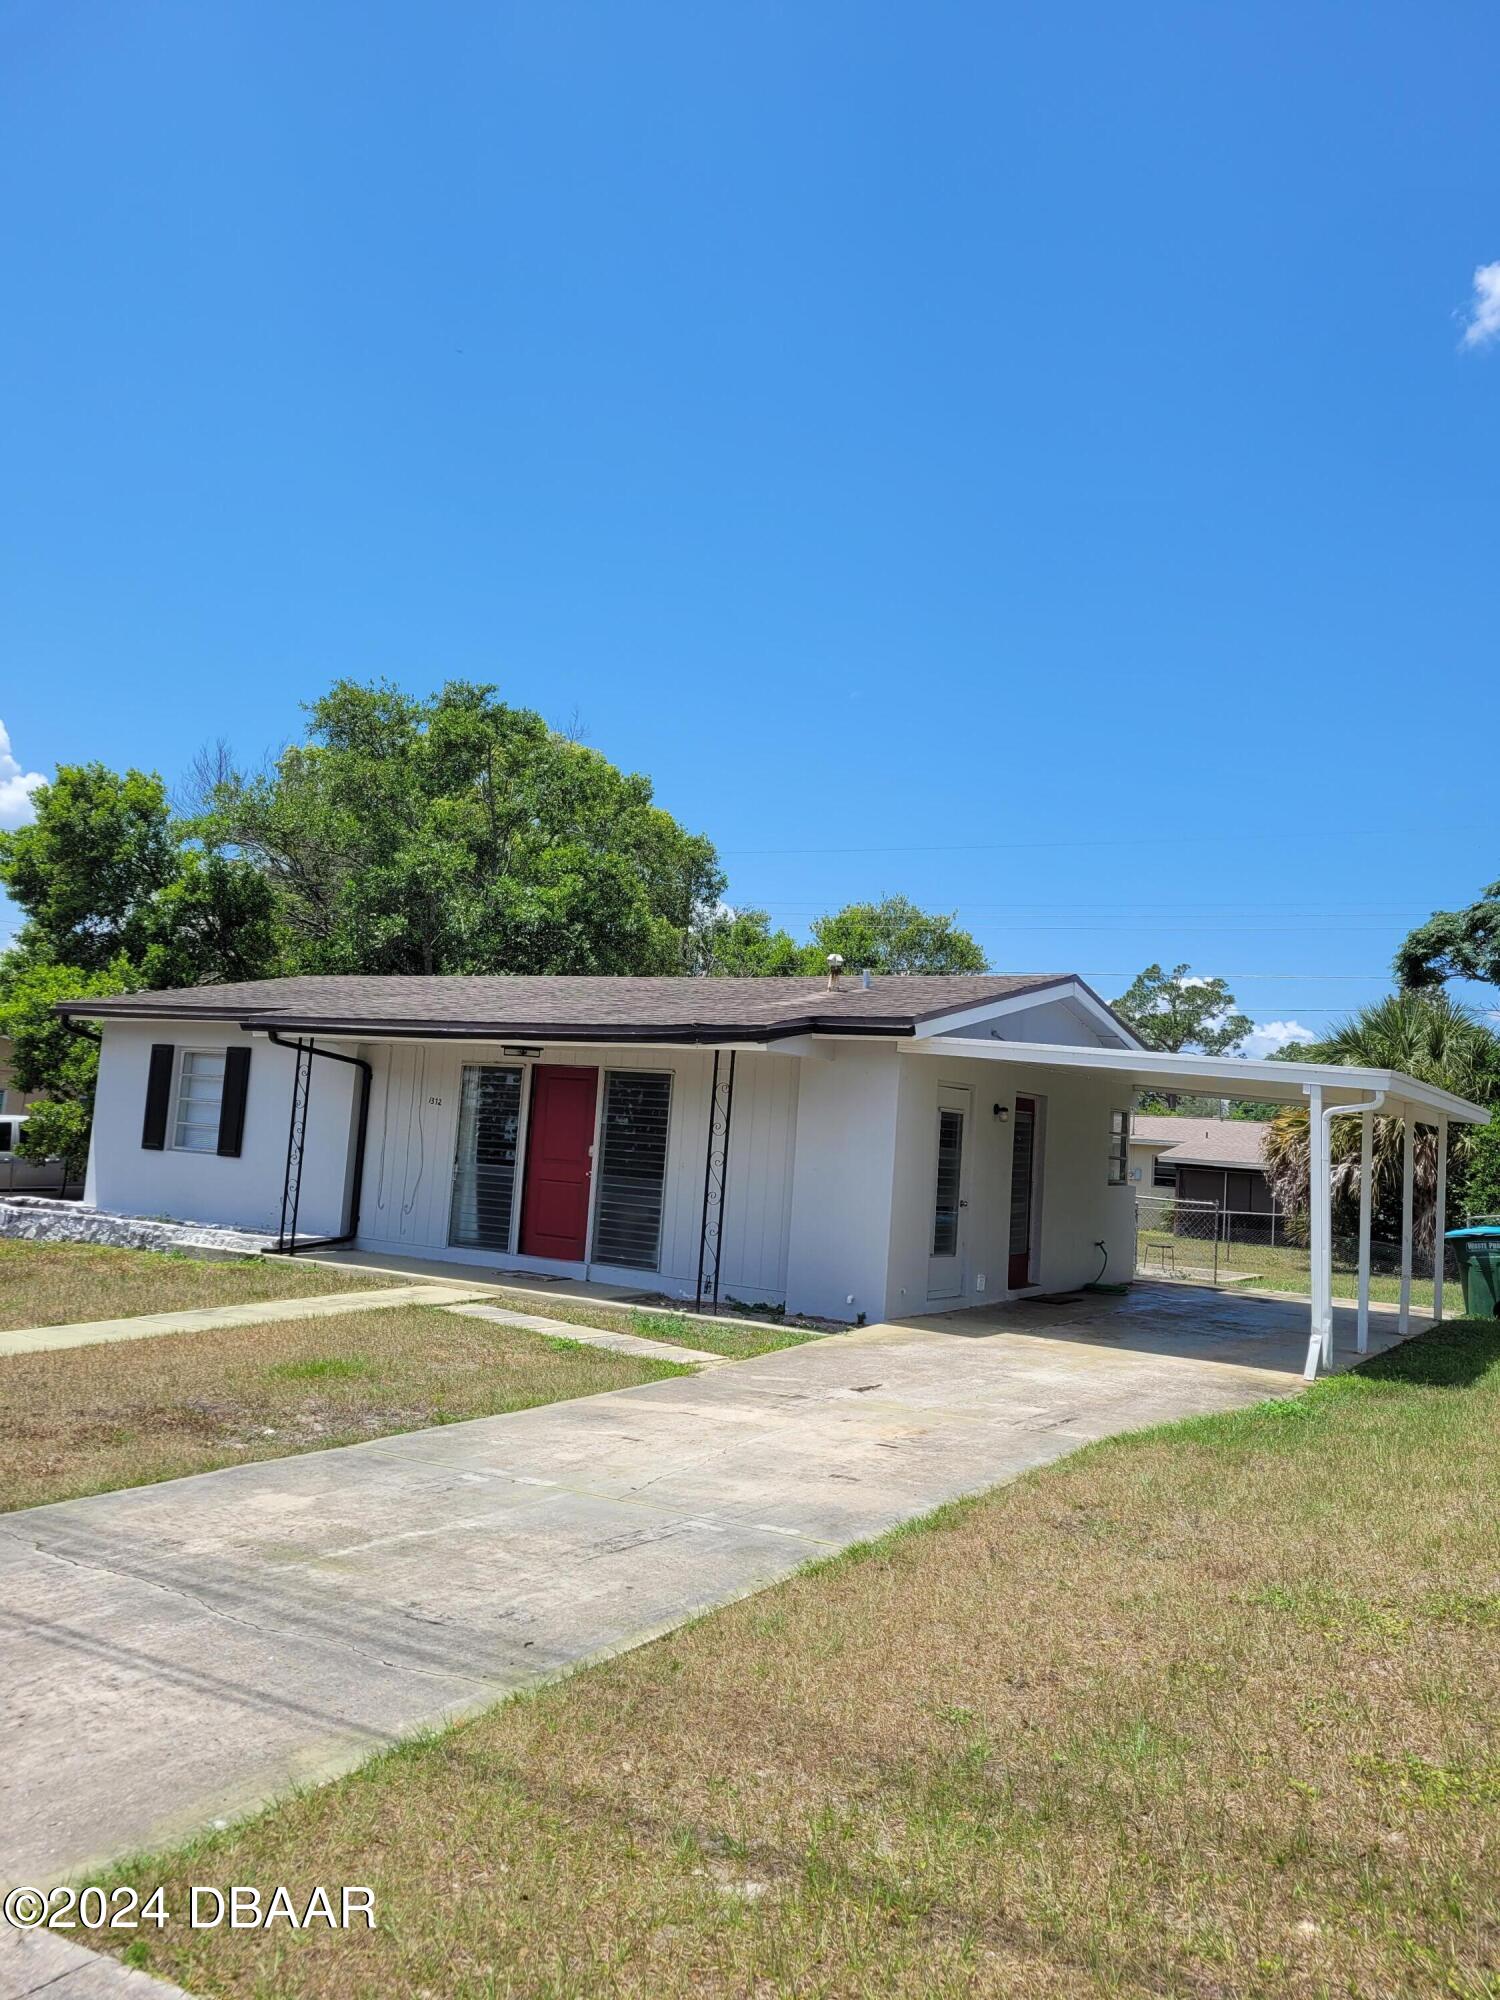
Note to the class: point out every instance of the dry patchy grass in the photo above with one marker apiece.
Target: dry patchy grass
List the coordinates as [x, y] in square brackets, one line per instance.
[739, 1343]
[126, 1413]
[1204, 1712]
[54, 1284]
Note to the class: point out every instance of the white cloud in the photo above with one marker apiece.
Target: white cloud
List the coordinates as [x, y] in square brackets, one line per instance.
[16, 786]
[1267, 1036]
[1483, 324]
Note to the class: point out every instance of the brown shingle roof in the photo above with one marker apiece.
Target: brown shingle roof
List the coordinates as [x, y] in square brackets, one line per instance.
[1204, 1142]
[588, 1009]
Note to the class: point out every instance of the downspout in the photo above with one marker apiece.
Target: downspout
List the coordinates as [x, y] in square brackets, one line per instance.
[367, 1077]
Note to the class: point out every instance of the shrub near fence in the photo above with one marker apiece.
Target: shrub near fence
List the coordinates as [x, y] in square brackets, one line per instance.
[1206, 1244]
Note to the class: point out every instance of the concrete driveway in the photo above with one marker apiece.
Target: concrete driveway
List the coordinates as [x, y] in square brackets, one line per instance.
[182, 1652]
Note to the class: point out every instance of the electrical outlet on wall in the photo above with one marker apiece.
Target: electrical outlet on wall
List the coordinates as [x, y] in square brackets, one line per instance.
[979, 1282]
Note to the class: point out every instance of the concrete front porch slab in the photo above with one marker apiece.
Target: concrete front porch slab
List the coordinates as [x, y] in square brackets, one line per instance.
[181, 1652]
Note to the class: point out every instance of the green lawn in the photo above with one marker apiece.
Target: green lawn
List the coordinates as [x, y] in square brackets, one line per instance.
[1278, 1268]
[54, 1284]
[1206, 1711]
[739, 1343]
[80, 1420]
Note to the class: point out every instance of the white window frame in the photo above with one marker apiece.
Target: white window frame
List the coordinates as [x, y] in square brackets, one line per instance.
[1119, 1149]
[182, 1100]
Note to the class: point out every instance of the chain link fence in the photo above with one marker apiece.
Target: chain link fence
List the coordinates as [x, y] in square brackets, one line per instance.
[1204, 1244]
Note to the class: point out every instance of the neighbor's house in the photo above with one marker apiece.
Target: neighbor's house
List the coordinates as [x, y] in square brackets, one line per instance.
[11, 1098]
[845, 1148]
[14, 1171]
[1202, 1159]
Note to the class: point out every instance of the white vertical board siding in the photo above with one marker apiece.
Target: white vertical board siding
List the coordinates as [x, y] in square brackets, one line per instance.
[414, 1129]
[758, 1206]
[409, 1148]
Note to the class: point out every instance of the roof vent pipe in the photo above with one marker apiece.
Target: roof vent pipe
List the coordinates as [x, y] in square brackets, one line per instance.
[865, 980]
[835, 967]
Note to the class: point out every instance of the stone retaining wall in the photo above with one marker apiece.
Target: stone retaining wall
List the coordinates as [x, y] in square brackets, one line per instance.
[48, 1221]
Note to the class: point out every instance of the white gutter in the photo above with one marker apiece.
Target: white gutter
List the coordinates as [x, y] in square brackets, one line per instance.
[1217, 1076]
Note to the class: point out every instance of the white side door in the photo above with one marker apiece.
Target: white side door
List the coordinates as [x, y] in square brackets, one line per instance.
[948, 1219]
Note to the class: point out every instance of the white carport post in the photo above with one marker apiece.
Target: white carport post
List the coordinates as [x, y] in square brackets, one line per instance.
[1319, 1209]
[1408, 1188]
[1440, 1221]
[1366, 1175]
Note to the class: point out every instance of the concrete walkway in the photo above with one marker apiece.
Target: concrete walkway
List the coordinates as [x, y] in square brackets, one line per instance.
[203, 1319]
[594, 1336]
[48, 1962]
[181, 1652]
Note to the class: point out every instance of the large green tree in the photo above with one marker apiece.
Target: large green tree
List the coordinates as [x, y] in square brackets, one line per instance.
[1177, 1010]
[1454, 944]
[114, 896]
[457, 834]
[892, 935]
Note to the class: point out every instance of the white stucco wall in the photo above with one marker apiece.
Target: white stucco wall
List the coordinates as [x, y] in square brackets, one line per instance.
[842, 1182]
[245, 1192]
[1077, 1206]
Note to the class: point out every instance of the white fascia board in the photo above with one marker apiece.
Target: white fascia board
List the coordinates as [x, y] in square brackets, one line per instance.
[1215, 1076]
[371, 1038]
[1017, 1003]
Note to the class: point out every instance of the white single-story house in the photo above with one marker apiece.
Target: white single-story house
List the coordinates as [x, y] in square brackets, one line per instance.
[852, 1148]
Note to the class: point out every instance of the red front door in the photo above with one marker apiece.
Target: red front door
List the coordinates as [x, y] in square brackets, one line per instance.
[1022, 1186]
[559, 1143]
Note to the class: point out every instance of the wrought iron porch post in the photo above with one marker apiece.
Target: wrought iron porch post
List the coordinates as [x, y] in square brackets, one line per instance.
[715, 1174]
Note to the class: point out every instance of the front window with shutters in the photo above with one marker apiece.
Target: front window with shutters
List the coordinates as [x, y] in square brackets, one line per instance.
[200, 1098]
[632, 1168]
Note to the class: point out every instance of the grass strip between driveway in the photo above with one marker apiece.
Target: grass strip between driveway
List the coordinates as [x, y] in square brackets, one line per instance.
[89, 1419]
[54, 1284]
[737, 1343]
[1206, 1710]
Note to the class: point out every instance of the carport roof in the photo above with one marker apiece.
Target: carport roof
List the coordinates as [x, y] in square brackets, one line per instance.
[1222, 1076]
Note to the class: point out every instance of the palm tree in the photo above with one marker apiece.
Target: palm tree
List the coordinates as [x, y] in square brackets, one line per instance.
[1428, 1036]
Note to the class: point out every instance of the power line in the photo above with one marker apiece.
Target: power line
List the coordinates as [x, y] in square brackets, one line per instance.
[1342, 833]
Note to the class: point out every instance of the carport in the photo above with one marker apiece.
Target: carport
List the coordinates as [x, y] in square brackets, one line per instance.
[1329, 1091]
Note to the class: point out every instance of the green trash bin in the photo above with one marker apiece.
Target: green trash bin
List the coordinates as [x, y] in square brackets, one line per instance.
[1478, 1251]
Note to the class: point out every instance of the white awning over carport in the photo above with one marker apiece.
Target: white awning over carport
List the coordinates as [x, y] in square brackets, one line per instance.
[1329, 1091]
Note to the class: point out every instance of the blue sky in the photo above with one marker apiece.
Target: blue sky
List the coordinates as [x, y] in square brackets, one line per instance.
[1040, 460]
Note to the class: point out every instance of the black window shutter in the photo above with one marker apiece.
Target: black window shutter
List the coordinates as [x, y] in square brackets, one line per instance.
[158, 1095]
[232, 1104]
